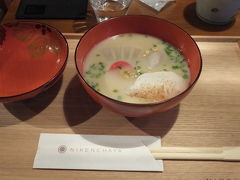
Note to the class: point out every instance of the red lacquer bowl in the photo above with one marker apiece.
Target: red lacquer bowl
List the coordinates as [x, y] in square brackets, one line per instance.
[32, 58]
[146, 25]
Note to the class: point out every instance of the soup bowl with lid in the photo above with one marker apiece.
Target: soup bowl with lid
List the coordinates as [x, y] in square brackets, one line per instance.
[146, 25]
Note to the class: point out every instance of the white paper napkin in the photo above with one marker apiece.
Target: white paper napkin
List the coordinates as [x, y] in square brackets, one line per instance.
[97, 152]
[156, 4]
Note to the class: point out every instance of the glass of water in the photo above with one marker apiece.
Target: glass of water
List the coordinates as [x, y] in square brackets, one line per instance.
[106, 9]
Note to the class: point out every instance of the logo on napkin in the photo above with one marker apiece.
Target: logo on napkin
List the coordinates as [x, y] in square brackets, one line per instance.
[62, 149]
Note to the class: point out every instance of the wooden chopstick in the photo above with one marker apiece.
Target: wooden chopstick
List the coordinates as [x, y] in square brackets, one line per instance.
[187, 150]
[197, 153]
[188, 156]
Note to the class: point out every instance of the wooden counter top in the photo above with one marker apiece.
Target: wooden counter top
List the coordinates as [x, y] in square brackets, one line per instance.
[209, 116]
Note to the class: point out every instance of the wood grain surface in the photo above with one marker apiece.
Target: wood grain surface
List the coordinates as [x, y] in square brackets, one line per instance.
[208, 117]
[180, 12]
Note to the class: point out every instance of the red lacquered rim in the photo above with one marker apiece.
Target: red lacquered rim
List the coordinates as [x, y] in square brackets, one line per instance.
[48, 83]
[137, 104]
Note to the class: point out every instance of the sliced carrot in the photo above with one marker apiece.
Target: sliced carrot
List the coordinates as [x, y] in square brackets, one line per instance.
[119, 65]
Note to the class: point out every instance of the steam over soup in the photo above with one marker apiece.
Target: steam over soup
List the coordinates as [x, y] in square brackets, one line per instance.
[136, 68]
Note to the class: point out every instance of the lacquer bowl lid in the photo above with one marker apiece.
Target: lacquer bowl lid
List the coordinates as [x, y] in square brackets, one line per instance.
[32, 57]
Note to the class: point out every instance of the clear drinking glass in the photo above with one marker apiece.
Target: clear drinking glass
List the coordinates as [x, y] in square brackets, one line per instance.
[106, 9]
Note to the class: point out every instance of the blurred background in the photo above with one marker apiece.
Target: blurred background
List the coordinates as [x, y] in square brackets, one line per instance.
[179, 12]
[4, 4]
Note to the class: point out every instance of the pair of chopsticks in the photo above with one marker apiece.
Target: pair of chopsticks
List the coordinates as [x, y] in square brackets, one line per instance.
[197, 153]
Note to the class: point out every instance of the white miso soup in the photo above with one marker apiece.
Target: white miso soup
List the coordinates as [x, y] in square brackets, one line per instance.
[136, 68]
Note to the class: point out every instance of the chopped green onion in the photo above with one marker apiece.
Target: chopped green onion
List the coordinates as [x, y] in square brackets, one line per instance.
[98, 75]
[175, 67]
[169, 49]
[185, 76]
[88, 72]
[96, 70]
[138, 67]
[94, 85]
[119, 97]
[115, 90]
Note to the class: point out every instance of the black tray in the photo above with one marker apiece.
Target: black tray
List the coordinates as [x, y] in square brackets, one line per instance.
[52, 9]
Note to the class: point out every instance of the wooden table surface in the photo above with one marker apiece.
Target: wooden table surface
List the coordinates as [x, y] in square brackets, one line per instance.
[181, 12]
[209, 116]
